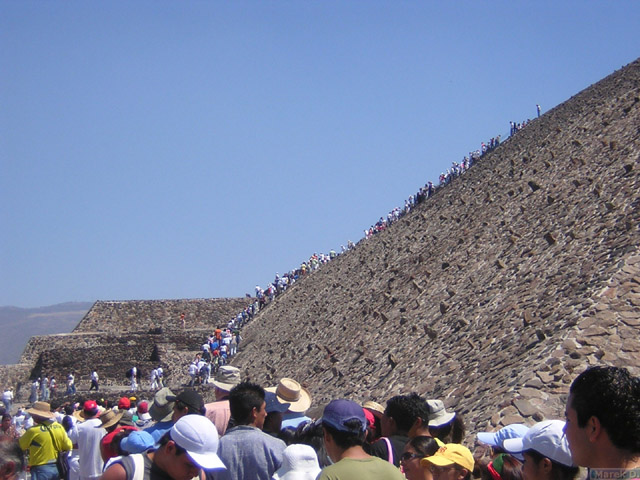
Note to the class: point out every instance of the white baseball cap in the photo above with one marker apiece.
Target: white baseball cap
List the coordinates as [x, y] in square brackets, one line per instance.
[199, 437]
[546, 438]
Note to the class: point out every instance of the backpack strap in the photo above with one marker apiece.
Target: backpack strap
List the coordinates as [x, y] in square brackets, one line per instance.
[389, 449]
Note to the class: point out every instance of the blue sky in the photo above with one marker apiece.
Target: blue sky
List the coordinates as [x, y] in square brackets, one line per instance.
[193, 149]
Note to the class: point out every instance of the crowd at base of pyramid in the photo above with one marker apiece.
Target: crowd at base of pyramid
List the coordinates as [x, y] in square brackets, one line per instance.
[253, 432]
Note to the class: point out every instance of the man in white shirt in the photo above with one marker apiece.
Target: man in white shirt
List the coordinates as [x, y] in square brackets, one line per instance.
[90, 432]
[94, 381]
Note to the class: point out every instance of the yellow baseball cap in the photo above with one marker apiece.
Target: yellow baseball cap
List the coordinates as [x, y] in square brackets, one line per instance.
[449, 454]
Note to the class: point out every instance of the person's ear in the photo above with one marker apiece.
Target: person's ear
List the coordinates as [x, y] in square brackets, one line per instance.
[170, 447]
[594, 428]
[462, 473]
[546, 465]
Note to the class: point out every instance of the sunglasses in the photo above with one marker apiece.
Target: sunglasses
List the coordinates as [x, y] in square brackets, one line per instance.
[406, 456]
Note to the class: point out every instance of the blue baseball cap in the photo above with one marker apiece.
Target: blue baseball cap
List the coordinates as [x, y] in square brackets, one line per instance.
[495, 439]
[338, 412]
[137, 441]
[273, 404]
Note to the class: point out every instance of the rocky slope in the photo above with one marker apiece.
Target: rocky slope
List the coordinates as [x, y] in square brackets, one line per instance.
[495, 293]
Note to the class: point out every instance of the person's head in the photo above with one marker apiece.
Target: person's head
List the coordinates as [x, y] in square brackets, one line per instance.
[601, 401]
[161, 410]
[275, 413]
[545, 451]
[450, 462]
[124, 403]
[344, 426]
[189, 446]
[90, 409]
[495, 439]
[502, 467]
[187, 402]
[402, 413]
[415, 450]
[6, 421]
[11, 459]
[247, 404]
[226, 378]
[447, 427]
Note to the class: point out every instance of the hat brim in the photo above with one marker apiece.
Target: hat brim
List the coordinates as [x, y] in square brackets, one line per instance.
[299, 406]
[513, 445]
[224, 386]
[437, 460]
[488, 438]
[441, 420]
[208, 461]
[111, 422]
[40, 413]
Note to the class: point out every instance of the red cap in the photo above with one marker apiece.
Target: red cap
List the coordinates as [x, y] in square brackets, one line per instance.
[369, 416]
[124, 403]
[90, 406]
[143, 407]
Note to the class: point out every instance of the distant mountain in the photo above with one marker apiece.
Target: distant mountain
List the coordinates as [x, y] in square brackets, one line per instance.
[19, 324]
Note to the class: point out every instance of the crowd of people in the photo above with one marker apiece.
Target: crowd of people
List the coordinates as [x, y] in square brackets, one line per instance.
[254, 432]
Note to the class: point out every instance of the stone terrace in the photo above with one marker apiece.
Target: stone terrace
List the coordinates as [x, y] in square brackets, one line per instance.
[495, 293]
[144, 315]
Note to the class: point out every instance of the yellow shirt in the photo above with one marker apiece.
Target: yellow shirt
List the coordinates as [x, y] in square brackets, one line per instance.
[38, 441]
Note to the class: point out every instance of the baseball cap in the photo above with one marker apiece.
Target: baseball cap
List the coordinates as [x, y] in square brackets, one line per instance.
[137, 441]
[273, 404]
[449, 454]
[495, 439]
[546, 438]
[199, 437]
[338, 412]
[124, 403]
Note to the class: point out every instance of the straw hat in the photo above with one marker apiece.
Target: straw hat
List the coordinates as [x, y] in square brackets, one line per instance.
[109, 418]
[290, 391]
[41, 409]
[375, 407]
[161, 409]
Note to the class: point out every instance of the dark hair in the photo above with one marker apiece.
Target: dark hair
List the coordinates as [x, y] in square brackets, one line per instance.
[424, 446]
[452, 432]
[346, 440]
[611, 395]
[6, 416]
[559, 471]
[310, 433]
[405, 409]
[243, 398]
[511, 468]
[165, 439]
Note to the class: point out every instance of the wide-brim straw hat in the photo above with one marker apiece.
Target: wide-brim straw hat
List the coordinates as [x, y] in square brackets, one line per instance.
[290, 391]
[41, 409]
[109, 418]
[375, 407]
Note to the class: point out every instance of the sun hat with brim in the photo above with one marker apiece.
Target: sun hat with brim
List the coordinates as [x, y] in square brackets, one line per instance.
[438, 415]
[199, 437]
[375, 407]
[127, 419]
[546, 438]
[227, 377]
[109, 418]
[190, 398]
[161, 409]
[290, 391]
[41, 409]
[299, 462]
[450, 454]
